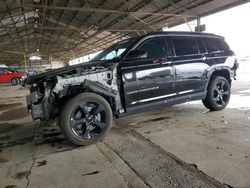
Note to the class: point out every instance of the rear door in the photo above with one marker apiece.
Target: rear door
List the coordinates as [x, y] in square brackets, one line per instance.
[189, 66]
[3, 76]
[151, 79]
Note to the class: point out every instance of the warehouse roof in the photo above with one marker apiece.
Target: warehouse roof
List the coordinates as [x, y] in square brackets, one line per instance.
[59, 28]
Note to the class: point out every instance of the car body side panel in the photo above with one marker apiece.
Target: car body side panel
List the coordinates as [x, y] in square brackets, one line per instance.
[190, 77]
[3, 76]
[7, 77]
[138, 85]
[146, 81]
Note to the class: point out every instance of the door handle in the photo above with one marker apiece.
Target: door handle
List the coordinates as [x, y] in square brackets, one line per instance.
[204, 58]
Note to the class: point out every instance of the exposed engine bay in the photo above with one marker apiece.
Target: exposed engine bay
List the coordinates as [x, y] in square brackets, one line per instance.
[51, 91]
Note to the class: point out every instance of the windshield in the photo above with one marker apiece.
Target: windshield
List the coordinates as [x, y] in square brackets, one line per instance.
[11, 70]
[116, 51]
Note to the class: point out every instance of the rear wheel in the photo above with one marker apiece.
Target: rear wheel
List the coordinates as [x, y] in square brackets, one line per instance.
[14, 81]
[86, 119]
[218, 94]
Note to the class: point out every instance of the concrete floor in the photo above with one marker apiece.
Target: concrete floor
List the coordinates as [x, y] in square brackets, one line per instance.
[143, 150]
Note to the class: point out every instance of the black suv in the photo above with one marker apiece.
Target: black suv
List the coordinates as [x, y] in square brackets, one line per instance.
[135, 75]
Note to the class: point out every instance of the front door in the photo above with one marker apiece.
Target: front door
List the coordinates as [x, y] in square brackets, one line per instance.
[151, 79]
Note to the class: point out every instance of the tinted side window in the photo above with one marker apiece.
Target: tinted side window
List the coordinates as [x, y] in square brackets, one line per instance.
[213, 45]
[1, 72]
[201, 46]
[184, 46]
[226, 47]
[156, 47]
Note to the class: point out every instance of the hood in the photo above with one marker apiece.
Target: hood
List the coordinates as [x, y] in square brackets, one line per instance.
[88, 66]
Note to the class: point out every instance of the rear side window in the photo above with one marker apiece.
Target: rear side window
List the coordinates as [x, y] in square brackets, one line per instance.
[214, 45]
[201, 46]
[156, 47]
[185, 46]
[226, 47]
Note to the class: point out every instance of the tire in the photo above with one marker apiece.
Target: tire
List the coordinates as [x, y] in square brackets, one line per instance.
[86, 119]
[206, 104]
[218, 94]
[14, 81]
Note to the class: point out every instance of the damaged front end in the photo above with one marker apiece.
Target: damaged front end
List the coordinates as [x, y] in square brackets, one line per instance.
[41, 100]
[50, 91]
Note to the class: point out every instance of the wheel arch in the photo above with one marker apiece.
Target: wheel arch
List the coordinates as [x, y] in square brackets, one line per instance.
[223, 72]
[108, 94]
[13, 77]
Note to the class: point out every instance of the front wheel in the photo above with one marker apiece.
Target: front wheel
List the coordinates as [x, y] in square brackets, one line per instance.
[218, 94]
[14, 81]
[86, 119]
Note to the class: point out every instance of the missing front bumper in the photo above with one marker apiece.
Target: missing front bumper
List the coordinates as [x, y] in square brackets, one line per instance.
[34, 106]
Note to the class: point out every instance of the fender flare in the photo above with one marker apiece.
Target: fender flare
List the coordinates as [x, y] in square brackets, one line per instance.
[209, 72]
[99, 88]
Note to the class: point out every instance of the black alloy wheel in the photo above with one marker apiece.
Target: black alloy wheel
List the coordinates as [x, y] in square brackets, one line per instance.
[86, 119]
[218, 94]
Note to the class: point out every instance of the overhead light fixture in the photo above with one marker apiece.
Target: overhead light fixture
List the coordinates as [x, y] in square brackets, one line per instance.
[35, 58]
[36, 15]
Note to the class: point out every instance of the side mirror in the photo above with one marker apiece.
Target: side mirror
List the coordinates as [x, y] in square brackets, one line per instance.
[137, 54]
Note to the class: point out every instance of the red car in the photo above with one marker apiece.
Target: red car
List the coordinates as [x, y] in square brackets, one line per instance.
[8, 75]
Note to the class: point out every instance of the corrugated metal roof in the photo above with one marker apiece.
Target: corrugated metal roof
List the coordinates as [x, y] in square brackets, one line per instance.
[59, 27]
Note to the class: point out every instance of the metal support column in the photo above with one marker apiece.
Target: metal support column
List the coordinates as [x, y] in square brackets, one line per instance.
[73, 54]
[50, 60]
[198, 24]
[25, 61]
